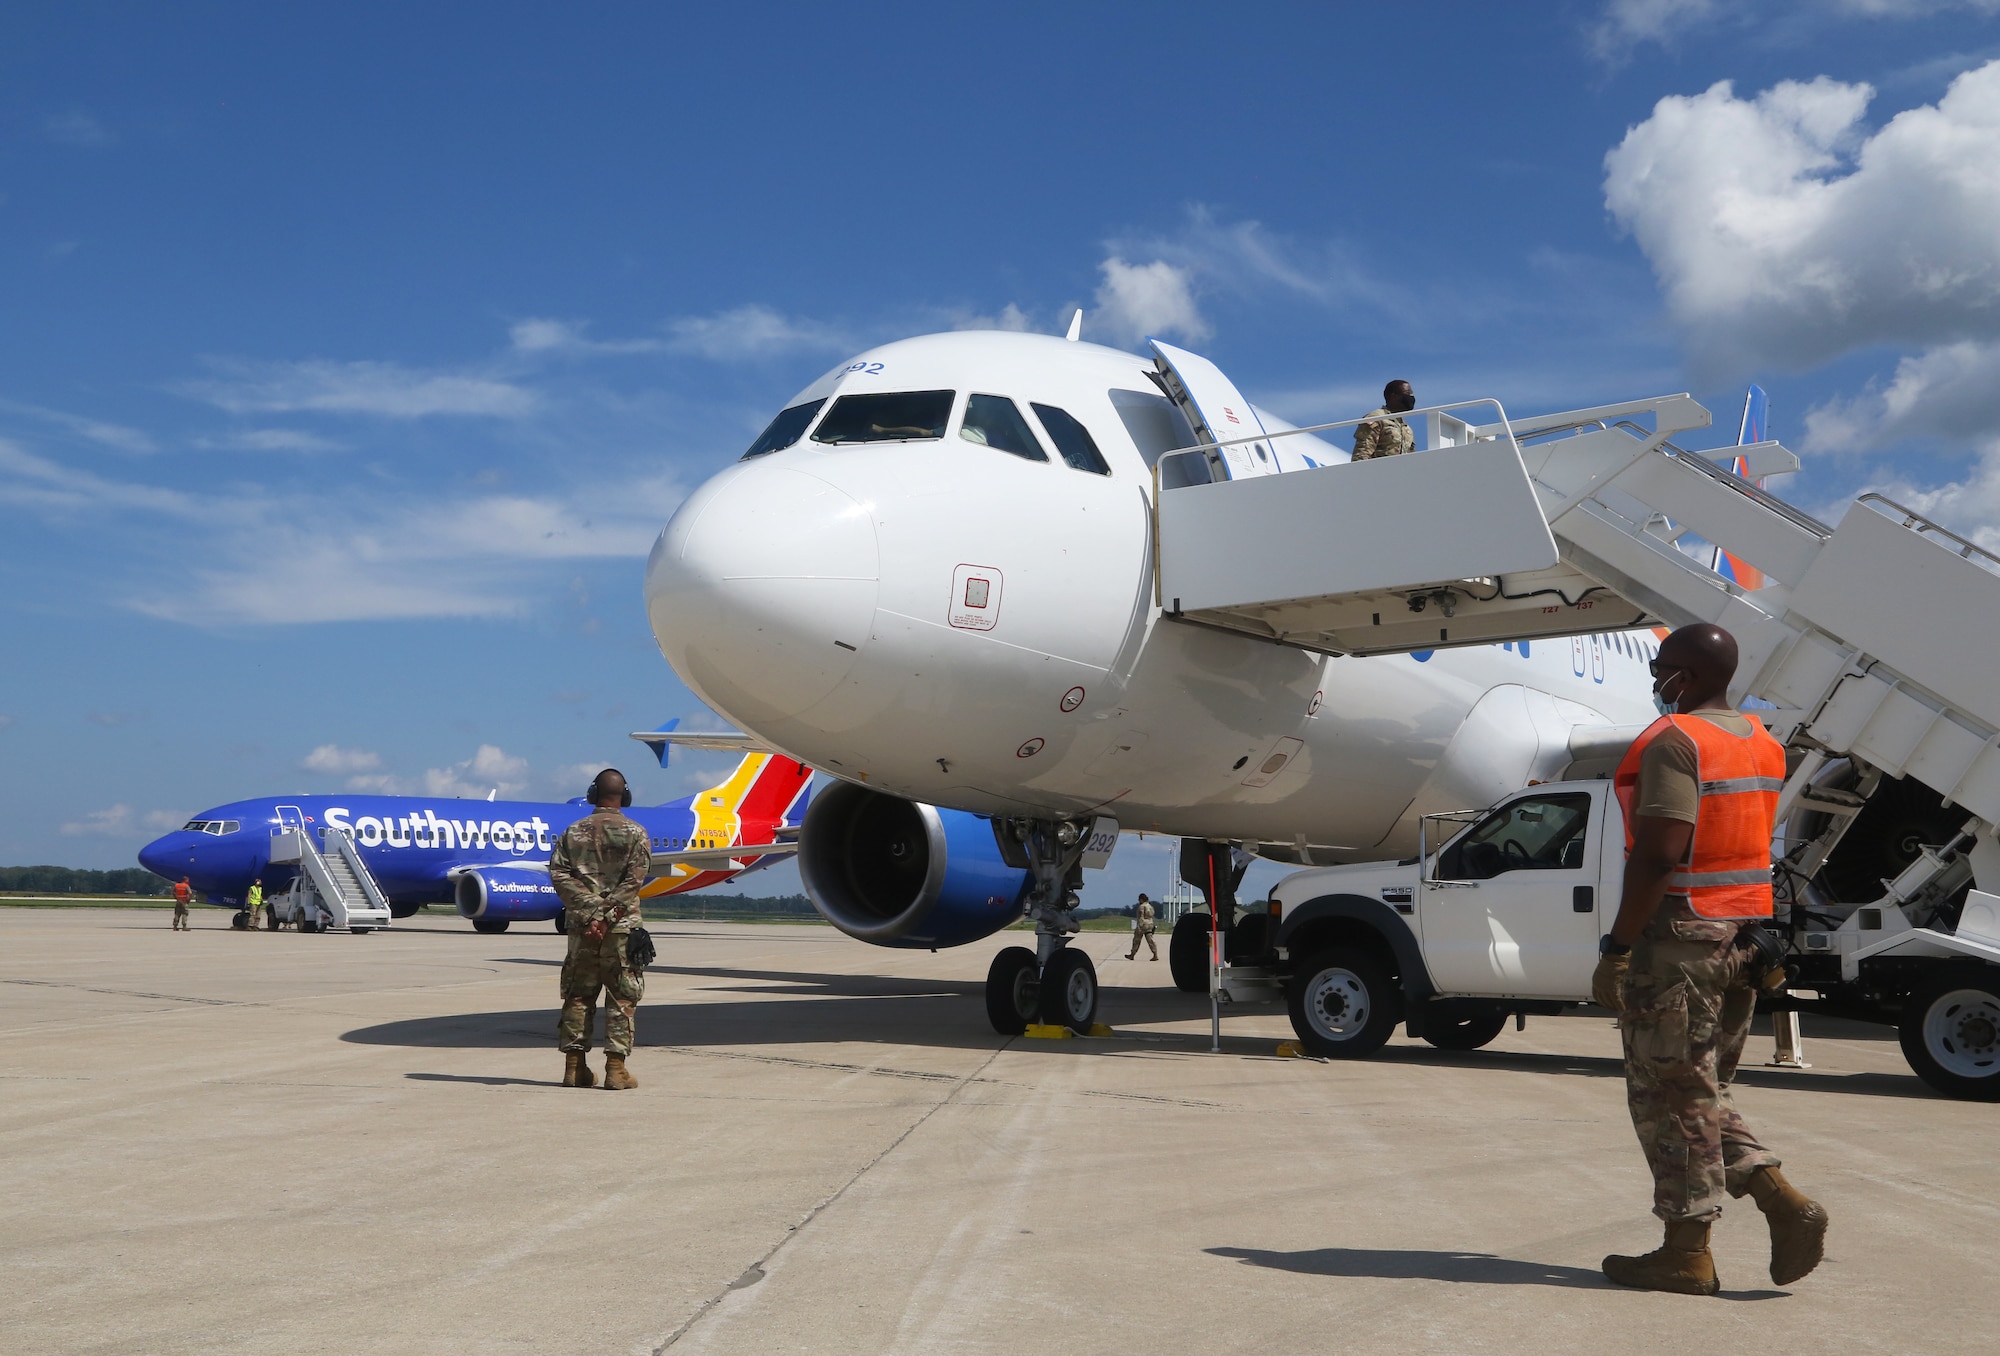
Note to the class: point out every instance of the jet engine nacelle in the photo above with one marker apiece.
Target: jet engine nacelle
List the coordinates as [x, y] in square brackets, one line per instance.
[894, 872]
[506, 894]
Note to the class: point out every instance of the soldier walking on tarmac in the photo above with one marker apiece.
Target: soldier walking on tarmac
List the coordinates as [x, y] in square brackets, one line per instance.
[597, 867]
[1382, 434]
[182, 893]
[1682, 962]
[1142, 927]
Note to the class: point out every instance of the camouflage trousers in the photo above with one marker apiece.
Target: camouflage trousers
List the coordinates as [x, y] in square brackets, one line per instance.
[1688, 1005]
[588, 967]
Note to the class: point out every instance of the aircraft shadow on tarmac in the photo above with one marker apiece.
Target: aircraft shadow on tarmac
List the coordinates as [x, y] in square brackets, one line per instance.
[1422, 1264]
[877, 1009]
[811, 1009]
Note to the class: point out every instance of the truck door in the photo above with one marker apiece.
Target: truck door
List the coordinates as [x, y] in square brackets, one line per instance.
[1510, 907]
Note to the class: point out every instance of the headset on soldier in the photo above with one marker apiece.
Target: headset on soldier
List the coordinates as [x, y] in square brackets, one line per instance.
[625, 796]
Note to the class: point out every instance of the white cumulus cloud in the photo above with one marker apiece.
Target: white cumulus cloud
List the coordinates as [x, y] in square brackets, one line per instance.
[488, 768]
[1786, 233]
[1138, 300]
[336, 761]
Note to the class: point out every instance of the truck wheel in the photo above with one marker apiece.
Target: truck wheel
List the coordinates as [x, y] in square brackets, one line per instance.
[1187, 953]
[1342, 1003]
[1013, 991]
[490, 924]
[1951, 1033]
[1459, 1029]
[1069, 991]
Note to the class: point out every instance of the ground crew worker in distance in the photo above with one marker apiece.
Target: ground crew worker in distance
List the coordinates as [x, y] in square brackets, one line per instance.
[182, 893]
[597, 867]
[253, 902]
[1382, 434]
[1142, 926]
[1699, 791]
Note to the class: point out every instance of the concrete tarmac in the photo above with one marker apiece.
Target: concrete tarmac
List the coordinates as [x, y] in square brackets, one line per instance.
[227, 1142]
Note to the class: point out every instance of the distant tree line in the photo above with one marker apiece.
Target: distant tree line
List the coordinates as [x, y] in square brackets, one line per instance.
[715, 906]
[70, 880]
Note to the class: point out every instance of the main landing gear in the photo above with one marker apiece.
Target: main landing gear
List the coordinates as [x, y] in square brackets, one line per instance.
[1051, 984]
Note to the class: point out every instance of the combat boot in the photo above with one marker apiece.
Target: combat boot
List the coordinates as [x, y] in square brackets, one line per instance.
[576, 1070]
[1798, 1224]
[616, 1075]
[1681, 1264]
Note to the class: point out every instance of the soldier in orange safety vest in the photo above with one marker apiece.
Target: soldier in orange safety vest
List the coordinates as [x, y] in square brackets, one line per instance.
[1699, 791]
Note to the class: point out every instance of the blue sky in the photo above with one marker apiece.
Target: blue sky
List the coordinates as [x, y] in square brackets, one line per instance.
[351, 356]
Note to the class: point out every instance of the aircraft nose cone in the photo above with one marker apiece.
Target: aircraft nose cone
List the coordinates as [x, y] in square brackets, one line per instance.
[761, 590]
[153, 856]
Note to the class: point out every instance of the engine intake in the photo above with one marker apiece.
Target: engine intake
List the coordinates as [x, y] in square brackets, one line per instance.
[895, 872]
[512, 894]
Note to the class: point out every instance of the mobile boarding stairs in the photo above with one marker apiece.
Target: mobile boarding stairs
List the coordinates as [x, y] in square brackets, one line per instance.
[334, 890]
[1877, 640]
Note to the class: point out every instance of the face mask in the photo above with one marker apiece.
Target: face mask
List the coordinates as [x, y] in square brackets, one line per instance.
[1660, 703]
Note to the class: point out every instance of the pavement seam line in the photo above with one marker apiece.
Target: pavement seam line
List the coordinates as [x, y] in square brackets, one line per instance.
[761, 1265]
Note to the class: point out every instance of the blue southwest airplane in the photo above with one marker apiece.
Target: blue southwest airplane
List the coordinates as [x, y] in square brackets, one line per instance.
[490, 858]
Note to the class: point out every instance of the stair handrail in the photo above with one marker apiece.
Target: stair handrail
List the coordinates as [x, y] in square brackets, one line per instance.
[1919, 524]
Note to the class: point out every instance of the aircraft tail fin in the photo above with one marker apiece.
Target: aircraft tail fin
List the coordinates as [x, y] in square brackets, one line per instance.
[1753, 429]
[764, 786]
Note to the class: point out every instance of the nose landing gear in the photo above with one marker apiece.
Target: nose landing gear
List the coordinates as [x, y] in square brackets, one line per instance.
[1051, 984]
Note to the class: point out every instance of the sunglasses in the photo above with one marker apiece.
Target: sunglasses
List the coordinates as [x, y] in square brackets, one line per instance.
[1656, 668]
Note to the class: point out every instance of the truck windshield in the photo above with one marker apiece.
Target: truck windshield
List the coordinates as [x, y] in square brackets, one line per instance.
[1535, 833]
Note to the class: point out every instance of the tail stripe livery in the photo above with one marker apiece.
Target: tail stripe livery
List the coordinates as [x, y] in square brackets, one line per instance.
[1756, 413]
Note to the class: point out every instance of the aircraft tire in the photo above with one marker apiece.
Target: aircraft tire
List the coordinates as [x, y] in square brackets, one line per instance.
[1950, 1032]
[1187, 953]
[1069, 991]
[1013, 991]
[1462, 1029]
[490, 925]
[562, 921]
[1342, 1004]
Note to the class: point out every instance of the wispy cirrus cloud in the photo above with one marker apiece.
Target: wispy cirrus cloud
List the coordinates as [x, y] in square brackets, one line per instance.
[99, 431]
[121, 821]
[753, 331]
[78, 128]
[1623, 26]
[382, 389]
[269, 440]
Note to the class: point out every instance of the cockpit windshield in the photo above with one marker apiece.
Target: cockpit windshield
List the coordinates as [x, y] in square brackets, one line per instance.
[785, 429]
[218, 827]
[900, 416]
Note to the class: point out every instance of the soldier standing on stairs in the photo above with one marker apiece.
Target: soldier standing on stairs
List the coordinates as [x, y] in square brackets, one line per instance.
[597, 867]
[1699, 789]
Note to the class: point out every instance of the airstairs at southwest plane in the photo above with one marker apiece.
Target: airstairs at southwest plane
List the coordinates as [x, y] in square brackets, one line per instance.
[1875, 638]
[334, 889]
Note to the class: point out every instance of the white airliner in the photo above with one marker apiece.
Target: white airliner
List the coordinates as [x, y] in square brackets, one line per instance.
[932, 578]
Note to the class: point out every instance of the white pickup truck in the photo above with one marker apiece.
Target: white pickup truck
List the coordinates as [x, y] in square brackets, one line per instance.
[1500, 914]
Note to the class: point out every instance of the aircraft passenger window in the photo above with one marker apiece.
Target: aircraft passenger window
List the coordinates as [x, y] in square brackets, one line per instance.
[1073, 440]
[783, 431]
[1535, 833]
[900, 416]
[995, 421]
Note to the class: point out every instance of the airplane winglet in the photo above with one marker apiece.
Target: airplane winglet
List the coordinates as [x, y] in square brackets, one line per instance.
[666, 738]
[1075, 326]
[650, 738]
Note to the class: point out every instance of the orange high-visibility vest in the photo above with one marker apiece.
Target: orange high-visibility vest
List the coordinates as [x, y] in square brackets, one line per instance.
[1727, 873]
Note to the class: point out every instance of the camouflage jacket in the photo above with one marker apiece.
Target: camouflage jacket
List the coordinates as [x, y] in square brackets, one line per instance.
[597, 867]
[1383, 435]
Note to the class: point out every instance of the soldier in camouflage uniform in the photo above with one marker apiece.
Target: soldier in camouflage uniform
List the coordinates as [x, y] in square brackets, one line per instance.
[1684, 988]
[597, 867]
[1382, 434]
